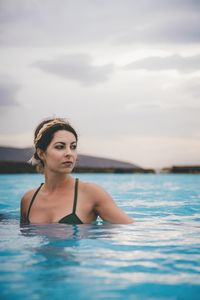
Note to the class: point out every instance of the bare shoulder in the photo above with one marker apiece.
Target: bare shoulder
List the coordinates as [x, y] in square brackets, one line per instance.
[104, 205]
[25, 201]
[27, 196]
[90, 186]
[94, 190]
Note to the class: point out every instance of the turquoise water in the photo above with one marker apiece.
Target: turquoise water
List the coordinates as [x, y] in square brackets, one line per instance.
[157, 257]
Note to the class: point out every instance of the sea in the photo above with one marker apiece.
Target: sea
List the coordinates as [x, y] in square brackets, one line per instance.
[156, 257]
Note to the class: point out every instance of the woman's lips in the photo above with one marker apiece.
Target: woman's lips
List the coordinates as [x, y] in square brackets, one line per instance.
[67, 163]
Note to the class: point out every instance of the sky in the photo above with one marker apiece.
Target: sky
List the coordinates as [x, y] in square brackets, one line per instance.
[125, 74]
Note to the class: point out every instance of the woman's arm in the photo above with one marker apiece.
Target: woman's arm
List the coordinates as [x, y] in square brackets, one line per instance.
[107, 209]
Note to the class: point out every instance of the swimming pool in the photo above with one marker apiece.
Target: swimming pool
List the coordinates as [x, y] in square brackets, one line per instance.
[157, 257]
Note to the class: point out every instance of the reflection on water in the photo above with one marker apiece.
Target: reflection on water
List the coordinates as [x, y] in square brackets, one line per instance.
[157, 257]
[72, 232]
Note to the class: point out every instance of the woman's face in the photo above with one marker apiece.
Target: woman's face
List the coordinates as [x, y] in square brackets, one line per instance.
[61, 154]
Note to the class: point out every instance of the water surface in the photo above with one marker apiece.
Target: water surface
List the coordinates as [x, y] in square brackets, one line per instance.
[157, 257]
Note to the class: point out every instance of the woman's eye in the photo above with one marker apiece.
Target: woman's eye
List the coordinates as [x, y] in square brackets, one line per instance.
[59, 147]
[73, 147]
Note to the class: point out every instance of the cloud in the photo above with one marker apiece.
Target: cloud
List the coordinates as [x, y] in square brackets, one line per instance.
[156, 119]
[173, 62]
[27, 23]
[76, 67]
[132, 105]
[163, 24]
[192, 87]
[8, 91]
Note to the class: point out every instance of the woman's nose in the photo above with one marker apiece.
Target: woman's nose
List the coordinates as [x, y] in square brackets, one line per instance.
[68, 151]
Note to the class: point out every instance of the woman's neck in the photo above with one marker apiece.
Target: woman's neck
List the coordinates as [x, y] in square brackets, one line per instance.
[55, 181]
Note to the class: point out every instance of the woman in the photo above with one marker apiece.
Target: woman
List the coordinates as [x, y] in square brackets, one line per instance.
[63, 199]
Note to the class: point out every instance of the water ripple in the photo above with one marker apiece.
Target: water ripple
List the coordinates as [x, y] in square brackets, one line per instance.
[157, 257]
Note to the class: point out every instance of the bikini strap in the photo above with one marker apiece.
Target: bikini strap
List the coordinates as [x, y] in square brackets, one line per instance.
[75, 195]
[33, 198]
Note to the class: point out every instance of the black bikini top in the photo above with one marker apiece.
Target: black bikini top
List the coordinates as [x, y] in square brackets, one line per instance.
[69, 219]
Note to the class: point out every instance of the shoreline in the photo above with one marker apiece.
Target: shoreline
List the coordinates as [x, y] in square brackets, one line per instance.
[19, 167]
[16, 167]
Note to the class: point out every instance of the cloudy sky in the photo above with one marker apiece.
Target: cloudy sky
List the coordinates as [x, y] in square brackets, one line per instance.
[125, 73]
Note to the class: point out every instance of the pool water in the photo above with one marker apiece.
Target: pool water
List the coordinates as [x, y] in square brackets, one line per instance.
[157, 257]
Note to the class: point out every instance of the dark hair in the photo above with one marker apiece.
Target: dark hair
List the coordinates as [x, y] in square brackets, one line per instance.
[49, 132]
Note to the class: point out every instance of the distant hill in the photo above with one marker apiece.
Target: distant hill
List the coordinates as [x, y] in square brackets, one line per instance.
[17, 158]
[182, 169]
[24, 154]
[15, 154]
